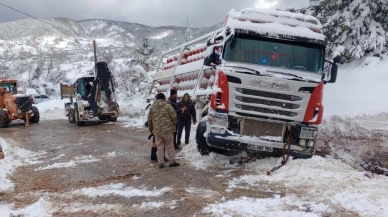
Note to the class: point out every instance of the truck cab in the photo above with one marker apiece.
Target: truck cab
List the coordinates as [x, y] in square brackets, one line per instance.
[260, 83]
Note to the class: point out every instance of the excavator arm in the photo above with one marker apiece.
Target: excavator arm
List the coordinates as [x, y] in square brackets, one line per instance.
[103, 83]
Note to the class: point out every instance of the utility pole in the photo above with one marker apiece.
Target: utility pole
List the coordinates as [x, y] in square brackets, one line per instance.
[188, 30]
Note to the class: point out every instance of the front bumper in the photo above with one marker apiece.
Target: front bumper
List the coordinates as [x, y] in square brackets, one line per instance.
[22, 115]
[224, 139]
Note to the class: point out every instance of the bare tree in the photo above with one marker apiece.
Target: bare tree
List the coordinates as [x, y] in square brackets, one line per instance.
[108, 57]
[131, 80]
[7, 62]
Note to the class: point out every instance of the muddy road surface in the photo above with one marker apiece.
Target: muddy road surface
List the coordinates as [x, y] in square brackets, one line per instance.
[112, 162]
[105, 170]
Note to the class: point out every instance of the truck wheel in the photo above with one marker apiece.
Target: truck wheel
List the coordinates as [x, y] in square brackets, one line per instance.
[77, 121]
[202, 146]
[35, 119]
[4, 121]
[71, 116]
[113, 119]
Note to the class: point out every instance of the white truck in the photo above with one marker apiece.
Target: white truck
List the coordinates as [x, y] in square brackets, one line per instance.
[259, 81]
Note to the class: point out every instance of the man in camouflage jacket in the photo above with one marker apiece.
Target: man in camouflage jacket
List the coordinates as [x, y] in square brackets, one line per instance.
[162, 120]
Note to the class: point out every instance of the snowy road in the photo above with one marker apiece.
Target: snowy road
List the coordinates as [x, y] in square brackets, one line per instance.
[57, 169]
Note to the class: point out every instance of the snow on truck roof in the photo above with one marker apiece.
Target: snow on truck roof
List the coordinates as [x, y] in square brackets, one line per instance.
[275, 22]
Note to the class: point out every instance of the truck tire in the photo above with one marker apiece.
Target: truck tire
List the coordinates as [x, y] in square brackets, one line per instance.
[35, 119]
[77, 121]
[202, 146]
[4, 121]
[71, 116]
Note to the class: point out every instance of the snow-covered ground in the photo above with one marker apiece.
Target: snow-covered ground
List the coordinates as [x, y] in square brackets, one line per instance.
[361, 88]
[16, 157]
[53, 109]
[312, 187]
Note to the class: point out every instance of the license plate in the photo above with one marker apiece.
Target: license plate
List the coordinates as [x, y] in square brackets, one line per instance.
[260, 148]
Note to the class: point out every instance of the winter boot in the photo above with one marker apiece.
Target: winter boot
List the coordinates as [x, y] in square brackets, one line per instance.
[174, 164]
[154, 158]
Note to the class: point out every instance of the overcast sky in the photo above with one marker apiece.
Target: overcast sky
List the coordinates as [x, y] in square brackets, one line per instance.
[148, 12]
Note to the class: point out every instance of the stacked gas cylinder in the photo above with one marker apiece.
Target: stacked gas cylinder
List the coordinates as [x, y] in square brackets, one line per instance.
[186, 82]
[190, 55]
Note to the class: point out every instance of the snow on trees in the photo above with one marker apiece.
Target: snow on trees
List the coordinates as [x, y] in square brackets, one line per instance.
[143, 55]
[359, 26]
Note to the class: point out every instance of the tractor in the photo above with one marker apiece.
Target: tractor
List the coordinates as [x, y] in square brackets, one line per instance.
[91, 98]
[15, 106]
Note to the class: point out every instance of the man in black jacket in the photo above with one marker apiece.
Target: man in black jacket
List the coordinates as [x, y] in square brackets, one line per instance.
[185, 118]
[173, 101]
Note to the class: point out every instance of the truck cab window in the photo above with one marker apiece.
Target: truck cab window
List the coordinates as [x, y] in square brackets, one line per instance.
[275, 53]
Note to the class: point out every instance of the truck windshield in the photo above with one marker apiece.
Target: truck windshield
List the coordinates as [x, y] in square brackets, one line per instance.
[10, 87]
[275, 53]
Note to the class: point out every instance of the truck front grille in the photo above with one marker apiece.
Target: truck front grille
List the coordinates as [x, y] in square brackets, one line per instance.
[267, 102]
[266, 110]
[269, 94]
[261, 128]
[24, 103]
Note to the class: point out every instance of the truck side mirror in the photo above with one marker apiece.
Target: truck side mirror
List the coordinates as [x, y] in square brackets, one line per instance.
[214, 58]
[334, 69]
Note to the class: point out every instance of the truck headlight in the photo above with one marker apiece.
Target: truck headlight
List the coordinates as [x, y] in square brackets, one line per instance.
[311, 143]
[221, 121]
[308, 133]
[217, 130]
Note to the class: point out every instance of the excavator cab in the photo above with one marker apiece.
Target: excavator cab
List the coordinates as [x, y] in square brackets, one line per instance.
[84, 87]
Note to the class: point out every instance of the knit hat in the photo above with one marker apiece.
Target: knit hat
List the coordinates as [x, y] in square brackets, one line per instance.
[160, 96]
[173, 92]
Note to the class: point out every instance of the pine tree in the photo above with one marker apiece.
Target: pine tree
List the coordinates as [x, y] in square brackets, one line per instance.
[143, 55]
[358, 26]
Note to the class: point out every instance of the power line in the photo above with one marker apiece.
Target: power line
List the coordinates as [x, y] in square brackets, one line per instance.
[26, 14]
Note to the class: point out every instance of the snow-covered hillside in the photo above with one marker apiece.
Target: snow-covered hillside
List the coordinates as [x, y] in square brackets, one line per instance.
[66, 36]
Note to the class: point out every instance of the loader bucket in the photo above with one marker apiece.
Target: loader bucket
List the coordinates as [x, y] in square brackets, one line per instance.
[67, 91]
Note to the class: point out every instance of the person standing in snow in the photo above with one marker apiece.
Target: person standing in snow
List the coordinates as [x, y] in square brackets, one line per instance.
[173, 101]
[1, 153]
[185, 118]
[162, 120]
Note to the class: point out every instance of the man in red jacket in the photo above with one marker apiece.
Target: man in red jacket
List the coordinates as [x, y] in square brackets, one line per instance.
[185, 118]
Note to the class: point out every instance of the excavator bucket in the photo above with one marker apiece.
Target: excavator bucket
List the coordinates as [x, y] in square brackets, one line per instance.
[67, 91]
